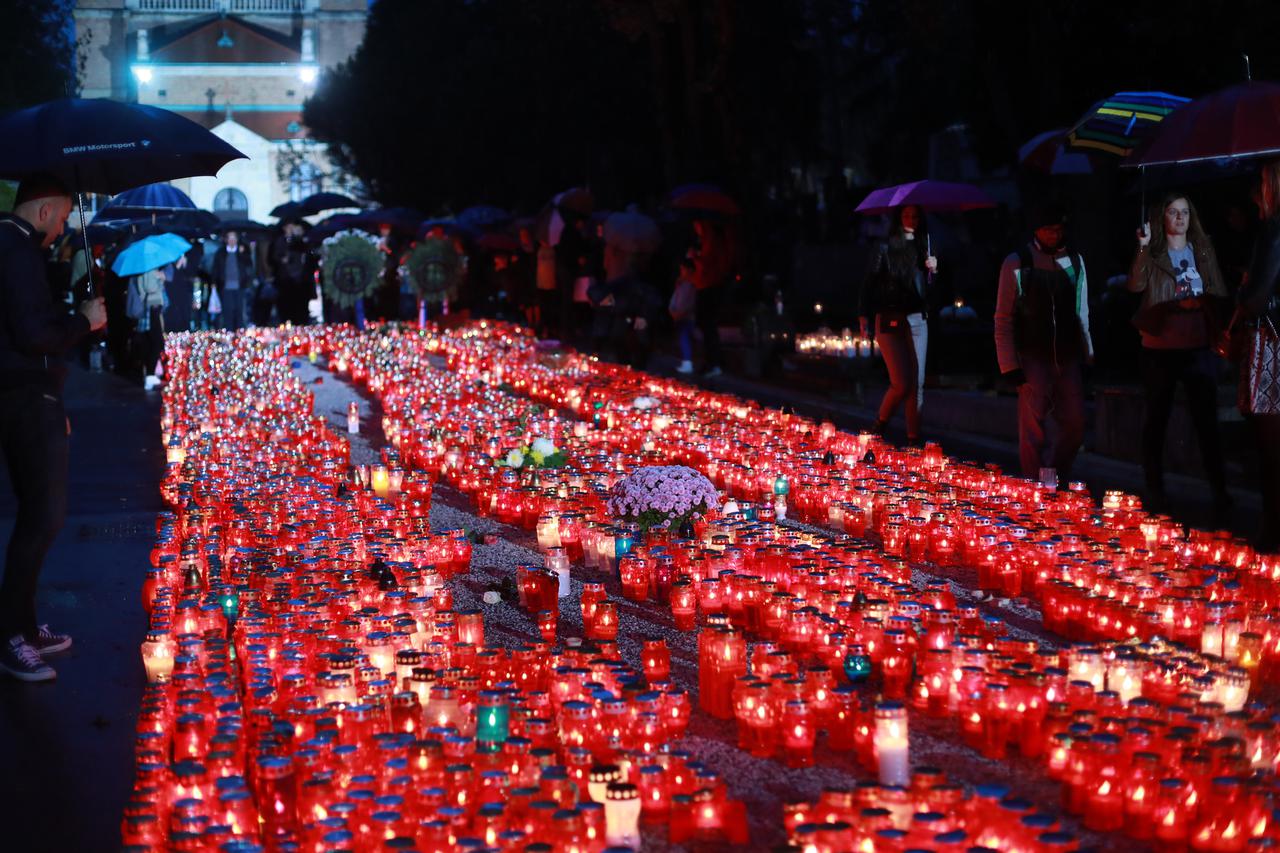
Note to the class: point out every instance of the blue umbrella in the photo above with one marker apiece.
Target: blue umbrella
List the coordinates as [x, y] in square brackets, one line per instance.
[149, 253]
[150, 197]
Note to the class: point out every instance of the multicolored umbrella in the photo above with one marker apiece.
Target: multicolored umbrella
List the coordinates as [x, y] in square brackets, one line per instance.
[936, 196]
[1237, 122]
[1118, 124]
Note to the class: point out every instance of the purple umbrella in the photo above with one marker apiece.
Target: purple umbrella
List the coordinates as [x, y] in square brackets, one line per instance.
[936, 196]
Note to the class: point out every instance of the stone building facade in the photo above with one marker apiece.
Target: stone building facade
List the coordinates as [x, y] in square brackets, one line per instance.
[241, 68]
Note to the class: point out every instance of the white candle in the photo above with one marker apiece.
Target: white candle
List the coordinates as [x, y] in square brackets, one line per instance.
[622, 815]
[558, 561]
[892, 744]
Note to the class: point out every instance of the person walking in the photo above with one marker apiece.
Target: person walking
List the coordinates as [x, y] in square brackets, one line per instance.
[145, 305]
[34, 430]
[1176, 271]
[893, 297]
[233, 277]
[1042, 342]
[713, 262]
[293, 269]
[1256, 302]
[179, 285]
[681, 308]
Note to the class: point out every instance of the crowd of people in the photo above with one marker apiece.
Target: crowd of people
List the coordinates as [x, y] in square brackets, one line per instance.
[1192, 318]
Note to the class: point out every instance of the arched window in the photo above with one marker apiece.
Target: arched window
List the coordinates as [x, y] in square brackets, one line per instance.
[304, 180]
[230, 203]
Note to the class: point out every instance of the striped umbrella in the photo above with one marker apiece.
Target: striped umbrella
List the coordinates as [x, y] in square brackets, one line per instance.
[1117, 124]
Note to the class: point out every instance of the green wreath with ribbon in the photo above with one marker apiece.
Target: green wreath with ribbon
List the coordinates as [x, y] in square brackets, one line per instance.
[351, 267]
[434, 268]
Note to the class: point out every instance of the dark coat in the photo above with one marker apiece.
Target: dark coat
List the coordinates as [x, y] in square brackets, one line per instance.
[34, 333]
[244, 260]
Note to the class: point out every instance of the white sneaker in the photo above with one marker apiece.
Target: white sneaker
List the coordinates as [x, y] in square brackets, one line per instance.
[151, 383]
[685, 367]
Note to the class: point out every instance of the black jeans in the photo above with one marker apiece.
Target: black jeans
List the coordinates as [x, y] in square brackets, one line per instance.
[1162, 370]
[707, 316]
[1266, 432]
[33, 435]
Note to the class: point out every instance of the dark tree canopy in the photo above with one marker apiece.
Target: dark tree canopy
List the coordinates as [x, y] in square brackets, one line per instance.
[37, 56]
[455, 102]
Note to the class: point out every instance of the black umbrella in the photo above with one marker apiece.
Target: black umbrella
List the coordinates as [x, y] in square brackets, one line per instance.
[404, 219]
[104, 146]
[288, 210]
[320, 202]
[198, 220]
[240, 225]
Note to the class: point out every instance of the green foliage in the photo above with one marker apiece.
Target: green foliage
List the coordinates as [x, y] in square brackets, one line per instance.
[652, 518]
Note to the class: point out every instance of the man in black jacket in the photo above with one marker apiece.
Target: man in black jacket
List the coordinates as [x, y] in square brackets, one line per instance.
[34, 335]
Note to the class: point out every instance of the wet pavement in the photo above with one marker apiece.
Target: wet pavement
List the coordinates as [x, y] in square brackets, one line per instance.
[68, 744]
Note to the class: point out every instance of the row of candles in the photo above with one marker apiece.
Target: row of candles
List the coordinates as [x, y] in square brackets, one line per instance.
[843, 345]
[313, 684]
[1232, 687]
[615, 542]
[1108, 573]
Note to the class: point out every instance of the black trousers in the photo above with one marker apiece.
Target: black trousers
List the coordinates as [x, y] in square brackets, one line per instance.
[707, 317]
[1162, 370]
[1266, 431]
[33, 435]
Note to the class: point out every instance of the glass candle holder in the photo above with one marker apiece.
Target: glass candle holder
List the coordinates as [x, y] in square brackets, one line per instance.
[892, 744]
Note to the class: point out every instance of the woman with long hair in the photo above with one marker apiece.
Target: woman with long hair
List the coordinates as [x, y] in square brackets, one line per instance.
[893, 297]
[1256, 301]
[1183, 292]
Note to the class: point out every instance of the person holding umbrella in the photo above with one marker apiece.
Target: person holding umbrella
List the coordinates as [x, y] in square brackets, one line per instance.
[1256, 303]
[1042, 342]
[893, 296]
[1176, 271]
[34, 429]
[293, 267]
[625, 304]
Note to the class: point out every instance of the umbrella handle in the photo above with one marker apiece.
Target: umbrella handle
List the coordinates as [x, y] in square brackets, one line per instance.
[91, 289]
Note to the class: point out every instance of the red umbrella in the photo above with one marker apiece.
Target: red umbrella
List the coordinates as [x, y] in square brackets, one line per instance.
[1239, 121]
[1046, 153]
[703, 197]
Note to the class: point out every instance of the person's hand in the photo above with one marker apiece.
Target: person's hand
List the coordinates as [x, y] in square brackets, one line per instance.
[863, 327]
[95, 311]
[931, 264]
[607, 302]
[1144, 235]
[1015, 377]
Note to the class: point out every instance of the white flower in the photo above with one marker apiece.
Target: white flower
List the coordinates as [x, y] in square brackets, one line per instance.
[543, 446]
[645, 402]
[514, 459]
